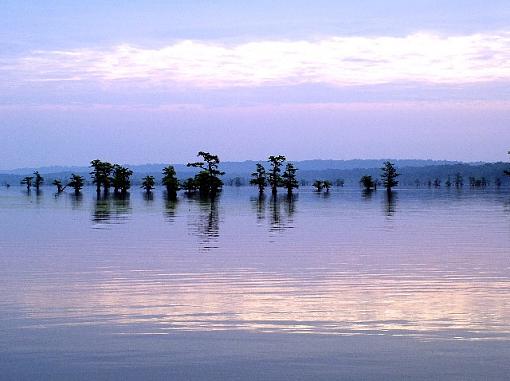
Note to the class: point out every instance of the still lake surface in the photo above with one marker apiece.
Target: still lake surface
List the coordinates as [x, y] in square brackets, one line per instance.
[343, 285]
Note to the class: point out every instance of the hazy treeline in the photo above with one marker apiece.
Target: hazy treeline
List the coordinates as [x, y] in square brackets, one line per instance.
[350, 177]
[239, 173]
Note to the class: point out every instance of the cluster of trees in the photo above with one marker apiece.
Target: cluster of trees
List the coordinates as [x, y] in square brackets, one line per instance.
[388, 178]
[76, 182]
[106, 175]
[322, 184]
[274, 178]
[458, 182]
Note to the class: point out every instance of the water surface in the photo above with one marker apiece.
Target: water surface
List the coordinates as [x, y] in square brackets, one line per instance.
[323, 286]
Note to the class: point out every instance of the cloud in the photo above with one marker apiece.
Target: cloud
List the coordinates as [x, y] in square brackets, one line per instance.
[337, 61]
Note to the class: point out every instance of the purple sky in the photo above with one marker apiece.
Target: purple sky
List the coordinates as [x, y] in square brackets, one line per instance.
[156, 82]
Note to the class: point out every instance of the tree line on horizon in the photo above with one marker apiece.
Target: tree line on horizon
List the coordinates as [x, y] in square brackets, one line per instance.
[208, 183]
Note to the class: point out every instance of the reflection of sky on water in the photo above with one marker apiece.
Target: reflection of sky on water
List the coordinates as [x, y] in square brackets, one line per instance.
[423, 264]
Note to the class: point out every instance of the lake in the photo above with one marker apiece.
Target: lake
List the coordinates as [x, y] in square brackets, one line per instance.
[344, 285]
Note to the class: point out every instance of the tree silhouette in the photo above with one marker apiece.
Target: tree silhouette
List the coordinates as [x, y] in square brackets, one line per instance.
[58, 184]
[389, 176]
[121, 178]
[101, 171]
[259, 178]
[38, 180]
[148, 183]
[189, 185]
[275, 178]
[367, 182]
[170, 181]
[28, 181]
[208, 179]
[318, 184]
[289, 180]
[326, 184]
[76, 183]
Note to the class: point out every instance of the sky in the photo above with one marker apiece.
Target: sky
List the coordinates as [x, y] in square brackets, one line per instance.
[157, 81]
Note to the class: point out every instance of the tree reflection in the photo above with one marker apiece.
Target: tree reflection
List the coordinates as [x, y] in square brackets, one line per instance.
[259, 205]
[281, 221]
[170, 207]
[367, 194]
[390, 203]
[110, 208]
[76, 200]
[148, 197]
[207, 224]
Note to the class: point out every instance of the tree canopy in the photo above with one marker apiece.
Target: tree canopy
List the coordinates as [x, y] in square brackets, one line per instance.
[274, 178]
[389, 176]
[259, 178]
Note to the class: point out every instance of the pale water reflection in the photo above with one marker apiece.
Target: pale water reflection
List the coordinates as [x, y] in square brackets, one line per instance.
[423, 265]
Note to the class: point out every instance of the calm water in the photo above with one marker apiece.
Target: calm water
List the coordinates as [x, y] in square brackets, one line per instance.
[338, 286]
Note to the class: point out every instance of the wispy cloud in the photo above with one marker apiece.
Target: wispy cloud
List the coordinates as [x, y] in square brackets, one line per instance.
[338, 61]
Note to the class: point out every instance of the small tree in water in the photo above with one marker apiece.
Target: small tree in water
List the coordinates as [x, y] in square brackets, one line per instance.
[189, 186]
[76, 183]
[208, 179]
[289, 180]
[259, 178]
[367, 182]
[326, 184]
[38, 180]
[275, 179]
[121, 178]
[318, 184]
[389, 176]
[27, 181]
[148, 183]
[170, 181]
[58, 184]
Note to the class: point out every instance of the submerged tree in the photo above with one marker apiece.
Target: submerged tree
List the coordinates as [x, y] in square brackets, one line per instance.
[27, 181]
[58, 184]
[170, 181]
[389, 176]
[208, 179]
[459, 180]
[437, 182]
[289, 180]
[121, 178]
[326, 184]
[148, 183]
[367, 182]
[339, 182]
[101, 172]
[259, 178]
[39, 180]
[318, 184]
[448, 182]
[76, 182]
[275, 179]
